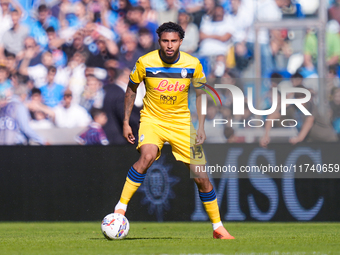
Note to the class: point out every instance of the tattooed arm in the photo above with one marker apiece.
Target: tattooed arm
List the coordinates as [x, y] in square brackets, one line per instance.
[130, 97]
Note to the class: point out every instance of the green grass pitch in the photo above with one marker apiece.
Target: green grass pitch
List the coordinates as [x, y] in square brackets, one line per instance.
[170, 238]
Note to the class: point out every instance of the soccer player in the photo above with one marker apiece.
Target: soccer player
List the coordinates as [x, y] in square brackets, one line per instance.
[165, 117]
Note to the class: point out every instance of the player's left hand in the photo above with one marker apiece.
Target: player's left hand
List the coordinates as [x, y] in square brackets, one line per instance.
[200, 136]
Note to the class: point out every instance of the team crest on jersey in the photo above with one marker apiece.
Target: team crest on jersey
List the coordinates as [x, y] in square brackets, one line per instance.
[184, 73]
[141, 138]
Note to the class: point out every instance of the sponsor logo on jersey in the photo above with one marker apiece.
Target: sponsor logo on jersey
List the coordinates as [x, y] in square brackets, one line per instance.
[166, 99]
[165, 86]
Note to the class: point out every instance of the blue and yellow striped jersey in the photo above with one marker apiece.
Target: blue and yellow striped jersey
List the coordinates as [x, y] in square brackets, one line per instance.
[167, 86]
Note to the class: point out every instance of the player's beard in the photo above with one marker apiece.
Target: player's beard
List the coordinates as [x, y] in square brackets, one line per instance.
[171, 58]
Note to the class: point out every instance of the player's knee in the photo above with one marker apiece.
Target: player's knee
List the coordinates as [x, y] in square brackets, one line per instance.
[148, 158]
[203, 184]
[201, 181]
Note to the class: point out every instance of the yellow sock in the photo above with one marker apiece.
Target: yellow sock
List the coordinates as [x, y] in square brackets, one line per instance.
[209, 201]
[132, 183]
[213, 211]
[129, 189]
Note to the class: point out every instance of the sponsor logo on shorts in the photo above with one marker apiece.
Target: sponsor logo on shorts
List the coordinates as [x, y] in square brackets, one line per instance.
[165, 99]
[141, 138]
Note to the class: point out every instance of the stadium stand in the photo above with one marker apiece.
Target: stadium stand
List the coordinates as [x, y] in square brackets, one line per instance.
[55, 46]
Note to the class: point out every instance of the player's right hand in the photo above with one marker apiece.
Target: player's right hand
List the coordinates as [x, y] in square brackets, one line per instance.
[127, 133]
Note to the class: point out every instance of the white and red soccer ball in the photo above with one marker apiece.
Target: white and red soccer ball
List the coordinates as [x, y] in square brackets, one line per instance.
[115, 226]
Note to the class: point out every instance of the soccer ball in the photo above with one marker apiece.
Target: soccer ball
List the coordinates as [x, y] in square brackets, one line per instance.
[115, 226]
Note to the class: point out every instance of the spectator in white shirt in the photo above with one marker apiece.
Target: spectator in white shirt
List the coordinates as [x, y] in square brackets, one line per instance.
[65, 115]
[5, 16]
[215, 33]
[13, 39]
[40, 121]
[37, 73]
[265, 11]
[191, 39]
[243, 18]
[69, 115]
[170, 14]
[76, 75]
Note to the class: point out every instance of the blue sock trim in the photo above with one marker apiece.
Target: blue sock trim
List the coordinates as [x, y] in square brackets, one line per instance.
[207, 197]
[134, 176]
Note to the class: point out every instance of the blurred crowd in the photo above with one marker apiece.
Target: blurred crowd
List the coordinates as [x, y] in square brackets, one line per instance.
[66, 63]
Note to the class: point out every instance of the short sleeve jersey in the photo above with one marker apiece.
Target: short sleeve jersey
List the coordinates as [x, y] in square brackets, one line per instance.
[167, 86]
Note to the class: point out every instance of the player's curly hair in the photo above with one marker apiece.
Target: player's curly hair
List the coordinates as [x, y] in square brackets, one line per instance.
[170, 27]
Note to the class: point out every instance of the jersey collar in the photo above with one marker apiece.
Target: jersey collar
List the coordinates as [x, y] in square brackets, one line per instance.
[179, 55]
